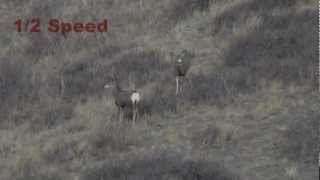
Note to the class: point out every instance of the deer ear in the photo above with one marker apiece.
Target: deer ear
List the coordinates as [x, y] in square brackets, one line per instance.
[191, 55]
[187, 54]
[183, 52]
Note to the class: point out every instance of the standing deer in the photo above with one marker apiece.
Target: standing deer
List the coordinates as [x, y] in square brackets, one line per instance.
[182, 64]
[124, 99]
[204, 5]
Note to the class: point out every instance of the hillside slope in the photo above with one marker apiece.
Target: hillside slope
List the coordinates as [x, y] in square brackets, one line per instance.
[248, 111]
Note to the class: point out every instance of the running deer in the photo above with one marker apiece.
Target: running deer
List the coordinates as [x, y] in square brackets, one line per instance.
[182, 64]
[124, 99]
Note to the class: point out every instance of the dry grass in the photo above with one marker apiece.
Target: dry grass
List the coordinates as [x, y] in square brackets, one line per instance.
[248, 103]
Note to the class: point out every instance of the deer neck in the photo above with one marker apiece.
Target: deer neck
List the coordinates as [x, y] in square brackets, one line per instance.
[116, 89]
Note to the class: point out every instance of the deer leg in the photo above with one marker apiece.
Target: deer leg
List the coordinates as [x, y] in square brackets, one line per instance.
[62, 86]
[181, 84]
[137, 114]
[120, 115]
[177, 85]
[134, 115]
[140, 4]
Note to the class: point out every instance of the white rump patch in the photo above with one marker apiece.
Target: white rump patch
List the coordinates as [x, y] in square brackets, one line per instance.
[179, 61]
[135, 97]
[107, 86]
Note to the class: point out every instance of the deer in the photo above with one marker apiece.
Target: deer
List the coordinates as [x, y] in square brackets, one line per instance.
[182, 64]
[124, 99]
[204, 5]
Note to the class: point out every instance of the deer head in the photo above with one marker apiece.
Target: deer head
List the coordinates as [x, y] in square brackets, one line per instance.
[184, 55]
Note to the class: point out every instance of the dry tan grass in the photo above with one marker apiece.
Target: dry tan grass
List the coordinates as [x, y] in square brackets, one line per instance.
[249, 89]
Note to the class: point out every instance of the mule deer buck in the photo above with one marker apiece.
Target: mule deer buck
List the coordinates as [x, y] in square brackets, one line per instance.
[124, 99]
[182, 64]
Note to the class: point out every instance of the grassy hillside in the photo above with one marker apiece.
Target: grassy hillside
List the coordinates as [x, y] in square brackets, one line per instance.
[249, 110]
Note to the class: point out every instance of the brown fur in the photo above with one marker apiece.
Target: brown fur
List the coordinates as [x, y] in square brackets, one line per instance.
[122, 100]
[181, 68]
[122, 97]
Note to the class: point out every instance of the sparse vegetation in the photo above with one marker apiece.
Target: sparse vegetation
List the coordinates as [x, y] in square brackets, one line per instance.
[157, 165]
[249, 109]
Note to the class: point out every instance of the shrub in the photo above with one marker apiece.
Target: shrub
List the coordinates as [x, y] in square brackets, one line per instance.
[158, 166]
[112, 138]
[202, 88]
[282, 48]
[300, 141]
[15, 87]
